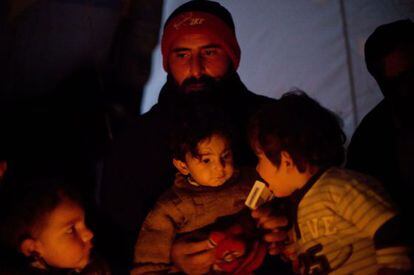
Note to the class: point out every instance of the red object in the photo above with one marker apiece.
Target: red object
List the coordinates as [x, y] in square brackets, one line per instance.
[235, 253]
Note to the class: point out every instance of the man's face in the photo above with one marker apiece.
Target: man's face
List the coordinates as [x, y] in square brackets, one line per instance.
[399, 82]
[65, 241]
[196, 61]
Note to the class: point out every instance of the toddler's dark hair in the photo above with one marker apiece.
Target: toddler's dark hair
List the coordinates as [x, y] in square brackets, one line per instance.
[299, 125]
[25, 205]
[195, 123]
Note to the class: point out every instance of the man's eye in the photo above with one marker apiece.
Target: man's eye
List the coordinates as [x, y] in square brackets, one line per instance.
[181, 55]
[210, 52]
[205, 160]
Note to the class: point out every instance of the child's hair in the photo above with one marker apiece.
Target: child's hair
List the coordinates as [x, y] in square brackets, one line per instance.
[299, 125]
[195, 123]
[25, 205]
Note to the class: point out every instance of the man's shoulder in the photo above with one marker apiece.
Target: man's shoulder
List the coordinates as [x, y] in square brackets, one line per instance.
[377, 119]
[137, 127]
[375, 129]
[259, 98]
[250, 102]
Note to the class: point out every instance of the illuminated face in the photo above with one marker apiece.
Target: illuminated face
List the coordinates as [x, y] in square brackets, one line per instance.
[195, 60]
[214, 165]
[276, 177]
[65, 241]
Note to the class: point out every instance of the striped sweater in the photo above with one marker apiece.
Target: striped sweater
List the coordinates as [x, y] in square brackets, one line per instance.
[337, 218]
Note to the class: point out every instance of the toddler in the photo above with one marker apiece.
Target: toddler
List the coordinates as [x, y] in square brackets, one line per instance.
[343, 222]
[43, 224]
[206, 187]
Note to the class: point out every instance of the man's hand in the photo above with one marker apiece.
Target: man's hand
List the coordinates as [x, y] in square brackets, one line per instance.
[273, 224]
[193, 257]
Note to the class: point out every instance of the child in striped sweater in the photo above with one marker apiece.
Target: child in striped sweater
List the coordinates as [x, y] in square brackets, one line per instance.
[343, 223]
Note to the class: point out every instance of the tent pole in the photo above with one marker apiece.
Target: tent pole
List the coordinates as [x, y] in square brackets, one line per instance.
[349, 63]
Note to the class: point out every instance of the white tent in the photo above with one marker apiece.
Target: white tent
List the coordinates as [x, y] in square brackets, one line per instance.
[314, 45]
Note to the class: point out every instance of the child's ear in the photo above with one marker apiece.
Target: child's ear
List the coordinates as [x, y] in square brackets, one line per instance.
[286, 159]
[29, 246]
[181, 166]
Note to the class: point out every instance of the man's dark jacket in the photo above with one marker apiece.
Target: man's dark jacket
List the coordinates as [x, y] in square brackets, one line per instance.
[139, 167]
[382, 148]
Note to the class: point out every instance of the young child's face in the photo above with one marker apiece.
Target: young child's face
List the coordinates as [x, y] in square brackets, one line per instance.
[65, 241]
[214, 166]
[279, 179]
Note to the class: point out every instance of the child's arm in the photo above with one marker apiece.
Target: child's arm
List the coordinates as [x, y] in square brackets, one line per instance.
[152, 249]
[390, 243]
[369, 210]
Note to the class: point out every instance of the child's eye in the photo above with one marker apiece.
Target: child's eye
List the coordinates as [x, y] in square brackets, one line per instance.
[226, 156]
[70, 230]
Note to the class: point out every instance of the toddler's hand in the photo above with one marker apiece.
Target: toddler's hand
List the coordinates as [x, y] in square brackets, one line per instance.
[275, 234]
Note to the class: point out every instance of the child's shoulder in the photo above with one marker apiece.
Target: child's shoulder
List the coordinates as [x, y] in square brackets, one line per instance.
[179, 194]
[171, 197]
[341, 181]
[341, 177]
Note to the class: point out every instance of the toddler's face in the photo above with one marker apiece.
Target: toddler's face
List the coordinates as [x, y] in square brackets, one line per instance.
[277, 177]
[65, 241]
[214, 166]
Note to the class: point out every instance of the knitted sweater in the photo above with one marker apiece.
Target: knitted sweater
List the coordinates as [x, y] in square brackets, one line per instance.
[185, 208]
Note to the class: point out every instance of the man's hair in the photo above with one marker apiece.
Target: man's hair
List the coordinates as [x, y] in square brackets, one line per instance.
[299, 125]
[195, 123]
[204, 6]
[384, 40]
[26, 204]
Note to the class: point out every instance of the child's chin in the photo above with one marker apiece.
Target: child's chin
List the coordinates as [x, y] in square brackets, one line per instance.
[281, 194]
[83, 263]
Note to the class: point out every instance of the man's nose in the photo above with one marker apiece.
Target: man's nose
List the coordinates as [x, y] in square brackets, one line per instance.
[197, 67]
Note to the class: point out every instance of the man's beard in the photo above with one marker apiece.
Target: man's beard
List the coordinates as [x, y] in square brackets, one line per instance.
[217, 92]
[194, 85]
[201, 88]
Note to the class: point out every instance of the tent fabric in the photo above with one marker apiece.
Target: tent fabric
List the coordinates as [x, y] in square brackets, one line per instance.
[301, 44]
[46, 41]
[314, 45]
[54, 38]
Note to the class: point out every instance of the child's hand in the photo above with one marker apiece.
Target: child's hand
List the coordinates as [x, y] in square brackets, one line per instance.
[273, 225]
[193, 257]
